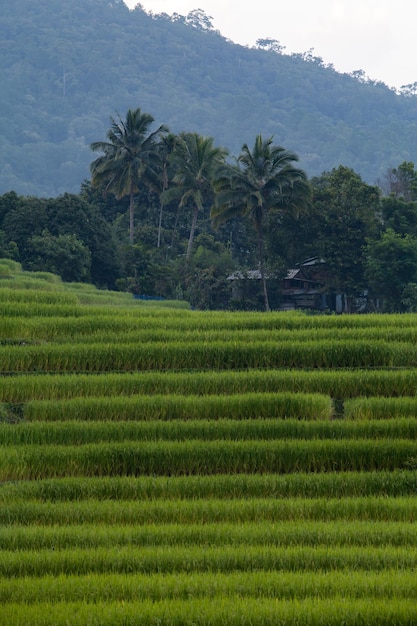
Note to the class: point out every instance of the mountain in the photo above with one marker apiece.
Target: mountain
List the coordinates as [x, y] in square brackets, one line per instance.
[67, 66]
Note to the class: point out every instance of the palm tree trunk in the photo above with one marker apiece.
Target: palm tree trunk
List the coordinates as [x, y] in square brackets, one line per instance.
[174, 230]
[192, 231]
[261, 263]
[161, 208]
[131, 214]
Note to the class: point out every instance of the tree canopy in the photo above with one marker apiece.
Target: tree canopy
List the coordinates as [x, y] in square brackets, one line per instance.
[263, 181]
[130, 158]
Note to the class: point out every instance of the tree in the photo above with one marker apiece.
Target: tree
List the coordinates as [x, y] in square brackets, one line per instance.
[345, 215]
[270, 44]
[399, 215]
[203, 280]
[66, 215]
[195, 161]
[401, 182]
[65, 255]
[130, 157]
[263, 180]
[167, 146]
[392, 269]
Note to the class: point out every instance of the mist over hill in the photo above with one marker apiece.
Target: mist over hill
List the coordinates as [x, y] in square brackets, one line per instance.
[68, 66]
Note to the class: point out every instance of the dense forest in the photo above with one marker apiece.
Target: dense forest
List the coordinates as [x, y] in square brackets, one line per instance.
[176, 216]
[238, 178]
[67, 66]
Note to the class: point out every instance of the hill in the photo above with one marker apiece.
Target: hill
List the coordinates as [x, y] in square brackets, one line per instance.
[66, 67]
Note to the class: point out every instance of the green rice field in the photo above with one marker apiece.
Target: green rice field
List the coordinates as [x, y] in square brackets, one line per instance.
[165, 466]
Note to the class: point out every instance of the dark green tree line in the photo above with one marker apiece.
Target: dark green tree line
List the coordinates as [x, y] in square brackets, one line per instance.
[202, 217]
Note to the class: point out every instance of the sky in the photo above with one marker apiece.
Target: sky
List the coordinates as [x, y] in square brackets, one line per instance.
[376, 36]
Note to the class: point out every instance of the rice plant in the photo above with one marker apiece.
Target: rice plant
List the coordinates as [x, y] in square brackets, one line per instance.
[193, 457]
[382, 485]
[378, 408]
[286, 533]
[335, 383]
[232, 611]
[208, 510]
[382, 585]
[180, 407]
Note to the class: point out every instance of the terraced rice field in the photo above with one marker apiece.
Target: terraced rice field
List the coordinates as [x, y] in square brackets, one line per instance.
[166, 466]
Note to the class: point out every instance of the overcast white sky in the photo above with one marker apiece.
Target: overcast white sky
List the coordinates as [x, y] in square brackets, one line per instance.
[377, 36]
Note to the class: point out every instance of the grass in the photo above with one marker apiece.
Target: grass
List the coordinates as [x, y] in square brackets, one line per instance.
[171, 407]
[381, 485]
[79, 432]
[194, 457]
[232, 611]
[206, 510]
[340, 384]
[286, 533]
[244, 471]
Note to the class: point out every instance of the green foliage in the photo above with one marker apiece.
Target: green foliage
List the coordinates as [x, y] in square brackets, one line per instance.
[65, 218]
[344, 217]
[264, 181]
[130, 158]
[204, 278]
[399, 215]
[401, 182]
[195, 161]
[65, 255]
[392, 269]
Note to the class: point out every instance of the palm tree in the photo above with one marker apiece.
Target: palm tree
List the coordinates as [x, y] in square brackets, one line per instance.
[195, 161]
[167, 146]
[264, 179]
[130, 157]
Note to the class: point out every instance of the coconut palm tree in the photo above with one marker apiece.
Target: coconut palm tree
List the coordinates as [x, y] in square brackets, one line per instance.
[264, 179]
[167, 146]
[194, 161]
[130, 157]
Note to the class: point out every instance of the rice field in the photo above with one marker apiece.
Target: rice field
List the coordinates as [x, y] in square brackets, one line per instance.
[166, 466]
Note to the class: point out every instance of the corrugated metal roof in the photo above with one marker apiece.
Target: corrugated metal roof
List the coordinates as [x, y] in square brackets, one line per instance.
[292, 274]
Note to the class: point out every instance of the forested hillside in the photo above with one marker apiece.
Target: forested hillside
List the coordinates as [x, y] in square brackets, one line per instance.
[67, 66]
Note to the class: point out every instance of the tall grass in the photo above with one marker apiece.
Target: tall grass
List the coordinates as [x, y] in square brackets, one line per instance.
[13, 266]
[377, 408]
[79, 432]
[261, 533]
[116, 328]
[208, 510]
[218, 491]
[125, 560]
[392, 584]
[192, 457]
[179, 407]
[338, 384]
[231, 611]
[341, 485]
[38, 292]
[206, 355]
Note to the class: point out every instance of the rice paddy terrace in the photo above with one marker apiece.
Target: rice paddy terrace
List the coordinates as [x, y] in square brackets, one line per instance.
[165, 466]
